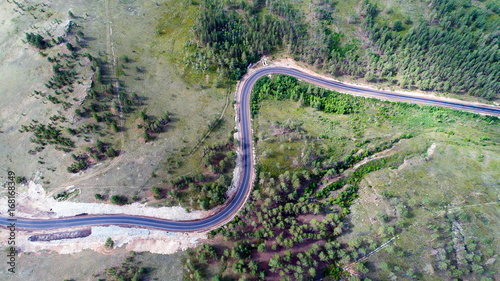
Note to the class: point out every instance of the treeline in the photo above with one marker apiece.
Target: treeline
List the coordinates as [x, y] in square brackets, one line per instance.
[231, 39]
[455, 51]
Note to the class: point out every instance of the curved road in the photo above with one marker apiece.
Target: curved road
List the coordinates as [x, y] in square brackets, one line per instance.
[244, 188]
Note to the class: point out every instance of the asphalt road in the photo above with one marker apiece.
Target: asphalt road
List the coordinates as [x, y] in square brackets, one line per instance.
[244, 188]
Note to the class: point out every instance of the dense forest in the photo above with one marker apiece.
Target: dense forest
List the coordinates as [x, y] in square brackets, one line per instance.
[455, 49]
[455, 53]
[239, 36]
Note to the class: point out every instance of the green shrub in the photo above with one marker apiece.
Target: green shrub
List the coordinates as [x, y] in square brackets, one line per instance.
[119, 200]
[109, 243]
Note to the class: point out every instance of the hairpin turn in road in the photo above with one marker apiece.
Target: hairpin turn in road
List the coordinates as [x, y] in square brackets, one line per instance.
[231, 208]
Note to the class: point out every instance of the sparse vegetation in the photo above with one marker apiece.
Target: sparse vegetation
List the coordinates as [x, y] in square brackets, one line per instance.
[47, 134]
[206, 189]
[21, 180]
[109, 243]
[151, 125]
[129, 270]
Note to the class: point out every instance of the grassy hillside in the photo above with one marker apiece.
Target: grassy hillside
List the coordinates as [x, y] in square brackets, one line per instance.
[109, 98]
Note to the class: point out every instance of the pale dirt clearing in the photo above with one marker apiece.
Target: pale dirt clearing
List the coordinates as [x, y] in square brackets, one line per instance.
[133, 239]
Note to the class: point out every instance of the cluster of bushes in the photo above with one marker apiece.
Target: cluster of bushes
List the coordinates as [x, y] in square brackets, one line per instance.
[99, 111]
[118, 200]
[21, 180]
[80, 164]
[102, 150]
[47, 134]
[219, 157]
[53, 99]
[184, 181]
[129, 103]
[61, 196]
[348, 161]
[171, 164]
[451, 261]
[86, 129]
[213, 194]
[93, 110]
[61, 77]
[98, 152]
[109, 243]
[283, 87]
[36, 40]
[203, 254]
[152, 125]
[129, 269]
[157, 192]
[205, 191]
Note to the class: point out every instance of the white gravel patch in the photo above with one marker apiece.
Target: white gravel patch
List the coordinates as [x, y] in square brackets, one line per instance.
[133, 239]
